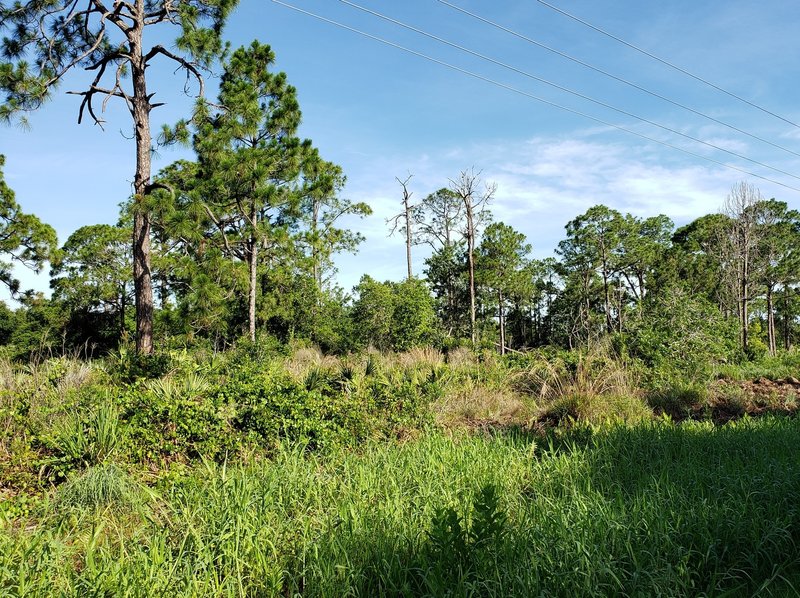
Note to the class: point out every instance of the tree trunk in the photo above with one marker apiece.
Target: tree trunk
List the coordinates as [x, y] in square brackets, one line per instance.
[315, 249]
[607, 301]
[786, 340]
[471, 267]
[744, 319]
[122, 311]
[451, 302]
[406, 215]
[252, 262]
[502, 323]
[140, 110]
[408, 236]
[163, 294]
[771, 322]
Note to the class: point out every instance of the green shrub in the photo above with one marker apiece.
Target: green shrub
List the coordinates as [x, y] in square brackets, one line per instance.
[186, 418]
[126, 365]
[272, 407]
[681, 339]
[401, 400]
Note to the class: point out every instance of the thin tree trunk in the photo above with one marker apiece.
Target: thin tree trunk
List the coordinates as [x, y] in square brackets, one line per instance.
[408, 237]
[315, 248]
[317, 270]
[406, 215]
[252, 257]
[786, 343]
[607, 301]
[471, 267]
[451, 301]
[122, 311]
[140, 109]
[743, 312]
[585, 316]
[163, 292]
[502, 323]
[771, 322]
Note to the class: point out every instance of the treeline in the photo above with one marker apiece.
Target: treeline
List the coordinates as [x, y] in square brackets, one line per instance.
[722, 288]
[243, 238]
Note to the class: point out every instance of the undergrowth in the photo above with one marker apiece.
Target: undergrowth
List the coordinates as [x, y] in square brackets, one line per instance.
[652, 509]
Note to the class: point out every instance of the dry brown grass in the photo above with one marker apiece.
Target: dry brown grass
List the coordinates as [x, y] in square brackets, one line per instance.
[471, 403]
[461, 357]
[479, 392]
[305, 359]
[597, 386]
[418, 357]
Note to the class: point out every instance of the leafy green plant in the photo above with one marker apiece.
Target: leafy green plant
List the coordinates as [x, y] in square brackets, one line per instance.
[274, 407]
[81, 439]
[126, 365]
[179, 418]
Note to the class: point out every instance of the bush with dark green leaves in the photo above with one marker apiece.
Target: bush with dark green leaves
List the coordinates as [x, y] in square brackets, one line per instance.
[681, 339]
[271, 407]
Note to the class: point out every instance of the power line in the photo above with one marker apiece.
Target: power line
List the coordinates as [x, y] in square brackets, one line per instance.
[525, 93]
[615, 77]
[666, 62]
[562, 88]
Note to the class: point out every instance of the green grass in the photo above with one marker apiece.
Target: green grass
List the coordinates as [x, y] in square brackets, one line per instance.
[784, 364]
[653, 509]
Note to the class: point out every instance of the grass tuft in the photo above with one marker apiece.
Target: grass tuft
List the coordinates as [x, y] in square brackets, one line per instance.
[99, 487]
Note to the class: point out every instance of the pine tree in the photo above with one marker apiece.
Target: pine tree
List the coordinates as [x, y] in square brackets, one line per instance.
[50, 38]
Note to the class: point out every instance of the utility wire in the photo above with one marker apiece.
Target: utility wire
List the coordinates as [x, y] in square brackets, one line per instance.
[615, 77]
[525, 93]
[562, 88]
[666, 62]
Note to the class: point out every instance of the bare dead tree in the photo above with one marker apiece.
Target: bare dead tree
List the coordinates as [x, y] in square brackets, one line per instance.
[475, 196]
[738, 248]
[403, 221]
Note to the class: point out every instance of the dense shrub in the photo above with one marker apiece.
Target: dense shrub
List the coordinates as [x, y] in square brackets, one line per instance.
[681, 339]
[272, 407]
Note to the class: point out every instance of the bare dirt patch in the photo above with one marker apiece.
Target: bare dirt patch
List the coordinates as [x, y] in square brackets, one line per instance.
[729, 399]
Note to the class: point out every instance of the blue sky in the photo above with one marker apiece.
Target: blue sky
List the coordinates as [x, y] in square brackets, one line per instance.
[382, 113]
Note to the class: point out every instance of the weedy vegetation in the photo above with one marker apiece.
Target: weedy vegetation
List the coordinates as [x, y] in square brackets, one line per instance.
[392, 474]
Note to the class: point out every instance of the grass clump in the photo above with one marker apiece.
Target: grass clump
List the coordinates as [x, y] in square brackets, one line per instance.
[591, 386]
[678, 401]
[102, 486]
[786, 364]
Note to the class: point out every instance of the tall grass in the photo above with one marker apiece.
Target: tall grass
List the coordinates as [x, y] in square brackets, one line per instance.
[654, 509]
[591, 385]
